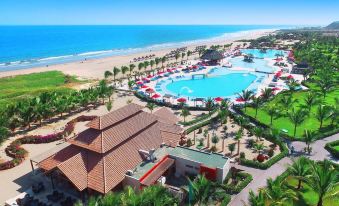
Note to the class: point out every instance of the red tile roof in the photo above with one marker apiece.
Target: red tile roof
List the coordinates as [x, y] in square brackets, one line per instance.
[157, 172]
[99, 158]
[166, 115]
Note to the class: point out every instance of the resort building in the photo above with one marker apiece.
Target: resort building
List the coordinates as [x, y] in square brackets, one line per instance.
[129, 147]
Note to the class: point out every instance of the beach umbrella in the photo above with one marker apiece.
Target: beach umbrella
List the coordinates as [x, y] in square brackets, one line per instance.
[155, 96]
[239, 99]
[140, 83]
[275, 88]
[149, 76]
[290, 77]
[218, 99]
[144, 86]
[181, 100]
[150, 90]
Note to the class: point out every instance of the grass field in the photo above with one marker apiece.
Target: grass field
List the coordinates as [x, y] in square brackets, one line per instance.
[283, 122]
[15, 88]
[336, 148]
[309, 197]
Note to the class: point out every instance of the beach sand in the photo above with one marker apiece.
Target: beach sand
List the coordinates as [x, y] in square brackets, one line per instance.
[94, 68]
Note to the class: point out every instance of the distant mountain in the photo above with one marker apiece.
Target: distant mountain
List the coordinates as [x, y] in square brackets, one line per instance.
[334, 25]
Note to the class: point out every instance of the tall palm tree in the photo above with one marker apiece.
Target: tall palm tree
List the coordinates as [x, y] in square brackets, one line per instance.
[189, 53]
[163, 60]
[273, 112]
[310, 100]
[277, 194]
[116, 71]
[183, 56]
[297, 117]
[300, 169]
[157, 61]
[256, 103]
[209, 105]
[141, 65]
[266, 93]
[177, 55]
[131, 68]
[259, 147]
[323, 179]
[309, 137]
[246, 96]
[151, 63]
[258, 132]
[287, 102]
[146, 64]
[184, 113]
[107, 74]
[124, 69]
[238, 137]
[323, 113]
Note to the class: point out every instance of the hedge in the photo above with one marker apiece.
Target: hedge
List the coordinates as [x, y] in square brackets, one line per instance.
[202, 117]
[231, 189]
[226, 200]
[197, 126]
[15, 151]
[330, 148]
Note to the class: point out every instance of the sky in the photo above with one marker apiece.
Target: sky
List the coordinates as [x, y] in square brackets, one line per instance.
[164, 12]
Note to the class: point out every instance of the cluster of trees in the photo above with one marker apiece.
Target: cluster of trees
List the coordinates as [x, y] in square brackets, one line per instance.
[321, 177]
[48, 105]
[153, 195]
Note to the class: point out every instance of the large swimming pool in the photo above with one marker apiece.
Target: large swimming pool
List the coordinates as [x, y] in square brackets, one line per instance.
[260, 65]
[270, 53]
[213, 86]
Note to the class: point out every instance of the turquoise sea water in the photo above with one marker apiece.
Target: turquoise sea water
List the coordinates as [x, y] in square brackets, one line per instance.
[28, 46]
[215, 86]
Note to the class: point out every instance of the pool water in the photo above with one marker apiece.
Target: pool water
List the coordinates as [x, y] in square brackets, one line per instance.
[270, 53]
[257, 64]
[215, 86]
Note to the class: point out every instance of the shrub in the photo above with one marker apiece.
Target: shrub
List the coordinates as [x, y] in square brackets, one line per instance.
[250, 143]
[226, 200]
[330, 147]
[242, 154]
[189, 143]
[245, 179]
[261, 158]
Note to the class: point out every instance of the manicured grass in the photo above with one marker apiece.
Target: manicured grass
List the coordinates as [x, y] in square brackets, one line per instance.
[307, 196]
[336, 148]
[15, 88]
[283, 122]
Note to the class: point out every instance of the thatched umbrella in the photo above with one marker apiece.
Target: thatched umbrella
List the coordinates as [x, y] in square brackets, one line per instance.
[212, 55]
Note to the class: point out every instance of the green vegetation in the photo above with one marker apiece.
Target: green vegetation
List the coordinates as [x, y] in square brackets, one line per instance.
[333, 148]
[153, 195]
[315, 109]
[304, 183]
[20, 87]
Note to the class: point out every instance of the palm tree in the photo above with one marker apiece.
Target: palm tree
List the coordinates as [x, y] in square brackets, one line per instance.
[300, 169]
[223, 116]
[109, 106]
[157, 61]
[209, 105]
[310, 100]
[107, 74]
[151, 106]
[242, 121]
[184, 113]
[326, 84]
[163, 60]
[256, 200]
[202, 189]
[246, 96]
[152, 62]
[116, 71]
[266, 93]
[323, 113]
[309, 137]
[146, 64]
[287, 102]
[124, 69]
[131, 68]
[215, 140]
[141, 65]
[231, 148]
[177, 55]
[256, 103]
[334, 113]
[297, 117]
[238, 137]
[323, 179]
[277, 193]
[258, 132]
[259, 147]
[273, 112]
[183, 56]
[189, 53]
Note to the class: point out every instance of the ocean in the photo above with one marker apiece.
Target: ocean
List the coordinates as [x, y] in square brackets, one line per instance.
[30, 46]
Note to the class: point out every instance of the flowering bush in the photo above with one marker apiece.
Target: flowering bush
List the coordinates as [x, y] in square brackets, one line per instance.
[15, 151]
[261, 158]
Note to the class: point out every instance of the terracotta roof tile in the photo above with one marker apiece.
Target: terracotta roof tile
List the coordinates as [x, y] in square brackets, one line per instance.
[166, 115]
[158, 172]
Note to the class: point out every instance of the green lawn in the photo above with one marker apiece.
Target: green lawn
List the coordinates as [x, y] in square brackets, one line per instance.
[15, 88]
[336, 148]
[283, 122]
[307, 196]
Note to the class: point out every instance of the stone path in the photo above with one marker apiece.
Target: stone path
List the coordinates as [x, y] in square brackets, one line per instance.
[260, 176]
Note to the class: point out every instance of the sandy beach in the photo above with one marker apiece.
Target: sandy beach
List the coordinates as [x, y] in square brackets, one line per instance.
[94, 68]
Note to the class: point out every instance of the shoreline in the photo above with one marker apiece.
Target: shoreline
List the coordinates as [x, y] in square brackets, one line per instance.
[94, 68]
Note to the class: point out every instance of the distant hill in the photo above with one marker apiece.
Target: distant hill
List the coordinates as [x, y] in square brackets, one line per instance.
[334, 25]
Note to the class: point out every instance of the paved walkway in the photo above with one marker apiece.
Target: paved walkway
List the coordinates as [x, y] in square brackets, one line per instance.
[260, 176]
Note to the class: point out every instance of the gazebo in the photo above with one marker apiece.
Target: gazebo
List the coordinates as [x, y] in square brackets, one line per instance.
[213, 56]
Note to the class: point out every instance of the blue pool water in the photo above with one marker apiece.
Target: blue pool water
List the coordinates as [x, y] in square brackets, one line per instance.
[270, 53]
[258, 64]
[29, 46]
[215, 86]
